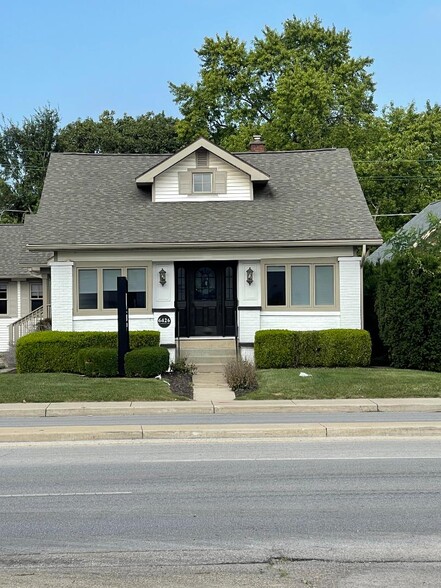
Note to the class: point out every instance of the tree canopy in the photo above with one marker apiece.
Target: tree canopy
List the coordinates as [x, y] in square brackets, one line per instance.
[24, 156]
[300, 88]
[398, 162]
[147, 133]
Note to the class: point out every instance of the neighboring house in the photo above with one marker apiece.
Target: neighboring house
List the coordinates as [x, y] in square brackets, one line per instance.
[421, 225]
[223, 244]
[21, 290]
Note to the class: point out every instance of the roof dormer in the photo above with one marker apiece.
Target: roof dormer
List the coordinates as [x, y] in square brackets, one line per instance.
[202, 171]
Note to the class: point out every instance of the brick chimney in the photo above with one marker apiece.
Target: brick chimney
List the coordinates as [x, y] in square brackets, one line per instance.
[257, 145]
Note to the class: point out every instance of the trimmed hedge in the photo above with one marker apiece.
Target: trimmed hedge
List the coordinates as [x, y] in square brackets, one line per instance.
[146, 362]
[98, 362]
[408, 306]
[57, 351]
[273, 348]
[328, 348]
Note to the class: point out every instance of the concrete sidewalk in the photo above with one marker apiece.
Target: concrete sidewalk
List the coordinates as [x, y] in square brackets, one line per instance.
[231, 407]
[219, 431]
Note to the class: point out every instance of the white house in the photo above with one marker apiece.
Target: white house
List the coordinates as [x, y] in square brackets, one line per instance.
[221, 244]
[24, 293]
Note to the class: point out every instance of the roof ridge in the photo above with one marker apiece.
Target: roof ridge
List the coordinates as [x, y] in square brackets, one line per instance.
[289, 151]
[111, 154]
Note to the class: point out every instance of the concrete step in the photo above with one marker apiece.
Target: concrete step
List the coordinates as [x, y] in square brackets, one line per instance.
[210, 368]
[186, 344]
[206, 354]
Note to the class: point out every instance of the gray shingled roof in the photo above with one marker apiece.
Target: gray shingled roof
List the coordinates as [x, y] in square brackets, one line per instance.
[93, 199]
[420, 223]
[12, 246]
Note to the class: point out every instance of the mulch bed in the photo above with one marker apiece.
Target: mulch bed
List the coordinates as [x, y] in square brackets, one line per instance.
[180, 383]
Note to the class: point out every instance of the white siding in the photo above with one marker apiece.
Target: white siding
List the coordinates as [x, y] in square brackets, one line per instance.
[4, 332]
[350, 292]
[62, 295]
[164, 296]
[249, 322]
[300, 321]
[166, 186]
[247, 353]
[110, 323]
[249, 294]
[14, 308]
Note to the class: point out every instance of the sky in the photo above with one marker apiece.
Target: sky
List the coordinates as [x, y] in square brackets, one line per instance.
[85, 56]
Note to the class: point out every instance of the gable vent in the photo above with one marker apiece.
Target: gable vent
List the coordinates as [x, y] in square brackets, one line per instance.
[202, 158]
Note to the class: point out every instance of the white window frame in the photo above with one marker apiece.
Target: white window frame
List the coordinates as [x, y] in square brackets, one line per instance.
[202, 173]
[288, 306]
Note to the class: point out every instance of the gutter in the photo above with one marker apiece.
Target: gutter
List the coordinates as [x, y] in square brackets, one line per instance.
[200, 245]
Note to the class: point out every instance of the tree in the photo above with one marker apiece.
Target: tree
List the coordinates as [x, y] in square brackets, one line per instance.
[398, 162]
[24, 156]
[300, 88]
[148, 133]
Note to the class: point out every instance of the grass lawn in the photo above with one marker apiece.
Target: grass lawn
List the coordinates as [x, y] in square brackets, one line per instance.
[74, 388]
[345, 383]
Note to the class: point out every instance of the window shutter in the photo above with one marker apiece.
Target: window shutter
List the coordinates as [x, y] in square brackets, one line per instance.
[184, 182]
[220, 183]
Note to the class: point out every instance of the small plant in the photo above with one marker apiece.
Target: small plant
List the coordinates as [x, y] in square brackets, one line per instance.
[241, 375]
[44, 325]
[183, 366]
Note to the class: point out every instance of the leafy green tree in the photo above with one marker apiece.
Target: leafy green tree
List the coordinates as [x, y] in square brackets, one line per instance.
[300, 88]
[148, 133]
[398, 161]
[24, 156]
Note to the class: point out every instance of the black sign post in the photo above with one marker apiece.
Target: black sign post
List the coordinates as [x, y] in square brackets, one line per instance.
[123, 323]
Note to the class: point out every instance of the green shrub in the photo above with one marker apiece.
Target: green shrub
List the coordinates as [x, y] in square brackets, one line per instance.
[327, 348]
[345, 348]
[409, 309]
[306, 349]
[273, 348]
[241, 376]
[57, 351]
[146, 362]
[98, 362]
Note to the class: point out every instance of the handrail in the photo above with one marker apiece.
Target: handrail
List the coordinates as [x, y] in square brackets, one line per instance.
[28, 323]
[236, 330]
[178, 338]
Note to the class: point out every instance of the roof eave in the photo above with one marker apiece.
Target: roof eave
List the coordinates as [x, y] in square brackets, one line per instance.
[203, 244]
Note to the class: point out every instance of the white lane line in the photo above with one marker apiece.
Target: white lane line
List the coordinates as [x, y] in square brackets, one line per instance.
[349, 458]
[45, 495]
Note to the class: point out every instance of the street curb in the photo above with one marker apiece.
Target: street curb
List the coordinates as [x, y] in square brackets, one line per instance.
[58, 409]
[236, 431]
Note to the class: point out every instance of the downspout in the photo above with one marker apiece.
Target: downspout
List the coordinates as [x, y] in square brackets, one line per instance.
[363, 259]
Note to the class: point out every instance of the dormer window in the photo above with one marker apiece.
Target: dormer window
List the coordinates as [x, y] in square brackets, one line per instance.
[202, 182]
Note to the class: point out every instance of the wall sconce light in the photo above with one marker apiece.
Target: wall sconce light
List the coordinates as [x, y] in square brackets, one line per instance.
[250, 274]
[162, 277]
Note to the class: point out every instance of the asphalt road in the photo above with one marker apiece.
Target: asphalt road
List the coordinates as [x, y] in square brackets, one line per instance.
[299, 513]
[221, 419]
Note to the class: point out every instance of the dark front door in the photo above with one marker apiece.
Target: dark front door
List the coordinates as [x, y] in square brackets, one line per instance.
[206, 299]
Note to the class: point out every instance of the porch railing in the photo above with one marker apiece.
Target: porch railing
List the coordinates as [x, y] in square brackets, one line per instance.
[27, 324]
